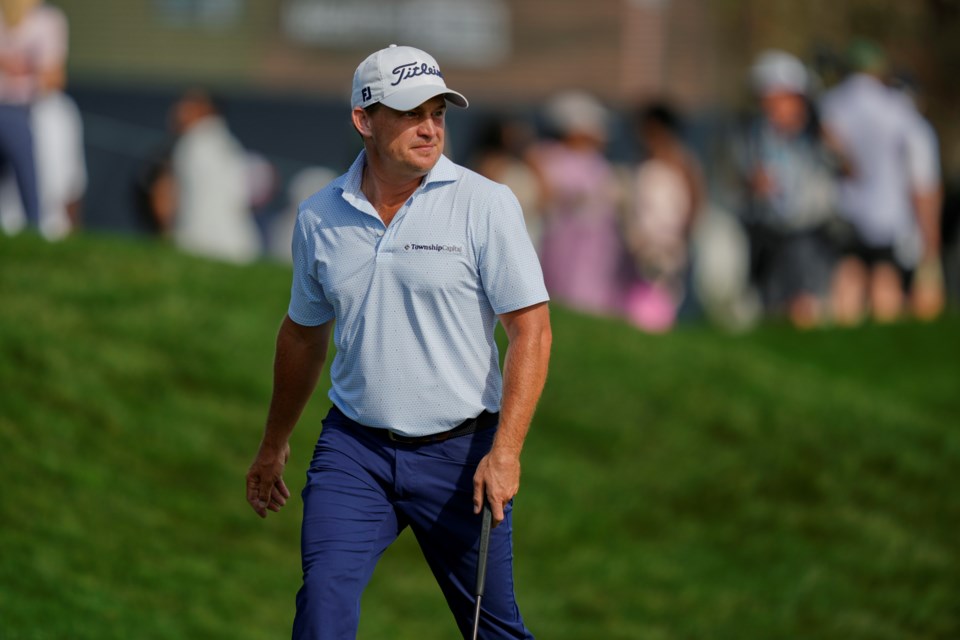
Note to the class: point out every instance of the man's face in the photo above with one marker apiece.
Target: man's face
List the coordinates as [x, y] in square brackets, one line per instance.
[786, 111]
[408, 143]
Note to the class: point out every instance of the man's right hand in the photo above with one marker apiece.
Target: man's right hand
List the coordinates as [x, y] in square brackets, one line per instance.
[265, 487]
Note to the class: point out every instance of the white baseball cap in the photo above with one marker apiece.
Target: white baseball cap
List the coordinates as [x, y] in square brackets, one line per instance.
[779, 72]
[578, 112]
[402, 78]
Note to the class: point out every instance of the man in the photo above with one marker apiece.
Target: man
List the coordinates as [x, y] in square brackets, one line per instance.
[408, 260]
[213, 217]
[896, 223]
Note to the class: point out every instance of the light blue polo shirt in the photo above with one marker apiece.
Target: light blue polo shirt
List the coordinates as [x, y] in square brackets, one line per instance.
[415, 303]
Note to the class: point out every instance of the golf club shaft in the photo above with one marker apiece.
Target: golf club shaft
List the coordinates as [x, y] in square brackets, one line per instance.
[476, 619]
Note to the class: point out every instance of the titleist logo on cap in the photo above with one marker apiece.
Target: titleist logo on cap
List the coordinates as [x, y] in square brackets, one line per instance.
[401, 78]
[412, 70]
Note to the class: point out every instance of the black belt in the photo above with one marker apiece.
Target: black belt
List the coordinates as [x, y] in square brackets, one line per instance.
[482, 422]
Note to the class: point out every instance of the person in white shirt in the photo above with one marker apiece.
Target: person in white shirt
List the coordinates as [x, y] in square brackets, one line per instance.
[213, 215]
[893, 235]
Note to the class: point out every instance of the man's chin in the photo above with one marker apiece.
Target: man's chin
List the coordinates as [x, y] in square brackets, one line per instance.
[425, 161]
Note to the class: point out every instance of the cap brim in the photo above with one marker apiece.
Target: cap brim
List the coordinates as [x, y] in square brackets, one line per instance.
[413, 97]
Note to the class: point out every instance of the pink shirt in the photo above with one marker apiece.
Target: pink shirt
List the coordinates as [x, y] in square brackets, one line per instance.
[37, 44]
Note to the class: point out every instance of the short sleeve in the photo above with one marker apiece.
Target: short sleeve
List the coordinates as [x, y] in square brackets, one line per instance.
[308, 303]
[923, 155]
[509, 268]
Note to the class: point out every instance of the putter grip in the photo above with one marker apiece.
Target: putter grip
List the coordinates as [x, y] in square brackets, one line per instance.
[484, 548]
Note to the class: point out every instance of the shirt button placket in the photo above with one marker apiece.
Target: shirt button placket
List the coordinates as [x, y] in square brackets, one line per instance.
[380, 236]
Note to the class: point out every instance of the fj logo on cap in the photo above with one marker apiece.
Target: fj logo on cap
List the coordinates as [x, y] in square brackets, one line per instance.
[366, 94]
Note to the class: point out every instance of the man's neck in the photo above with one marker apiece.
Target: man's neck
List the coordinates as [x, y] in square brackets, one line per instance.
[387, 193]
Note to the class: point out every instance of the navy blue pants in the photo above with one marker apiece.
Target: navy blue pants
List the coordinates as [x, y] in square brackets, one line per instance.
[16, 152]
[363, 490]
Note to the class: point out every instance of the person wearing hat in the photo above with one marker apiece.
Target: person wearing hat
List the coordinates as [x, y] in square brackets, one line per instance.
[581, 248]
[409, 261]
[895, 246]
[788, 176]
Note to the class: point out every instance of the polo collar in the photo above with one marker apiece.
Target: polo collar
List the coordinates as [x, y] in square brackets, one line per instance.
[444, 171]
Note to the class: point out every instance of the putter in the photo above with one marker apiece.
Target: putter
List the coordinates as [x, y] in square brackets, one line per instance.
[482, 565]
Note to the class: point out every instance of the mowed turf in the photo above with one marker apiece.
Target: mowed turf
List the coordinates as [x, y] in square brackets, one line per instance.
[696, 485]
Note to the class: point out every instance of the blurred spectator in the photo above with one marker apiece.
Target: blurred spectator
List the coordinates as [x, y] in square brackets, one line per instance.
[895, 230]
[501, 156]
[668, 193]
[61, 169]
[155, 192]
[923, 162]
[210, 169]
[788, 176]
[721, 270]
[581, 248]
[33, 48]
[263, 185]
[303, 184]
[951, 240]
[61, 163]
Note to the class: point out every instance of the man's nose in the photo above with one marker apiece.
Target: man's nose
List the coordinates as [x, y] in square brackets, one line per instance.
[428, 128]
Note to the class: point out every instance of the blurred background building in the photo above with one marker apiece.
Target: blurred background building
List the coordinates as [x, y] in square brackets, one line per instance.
[284, 66]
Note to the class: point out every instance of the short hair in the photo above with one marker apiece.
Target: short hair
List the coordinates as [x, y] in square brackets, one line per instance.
[369, 110]
[200, 95]
[660, 114]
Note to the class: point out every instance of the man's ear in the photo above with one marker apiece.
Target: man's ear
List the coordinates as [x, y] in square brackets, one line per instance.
[361, 122]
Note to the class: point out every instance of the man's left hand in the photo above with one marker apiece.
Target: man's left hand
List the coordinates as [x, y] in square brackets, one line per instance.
[498, 479]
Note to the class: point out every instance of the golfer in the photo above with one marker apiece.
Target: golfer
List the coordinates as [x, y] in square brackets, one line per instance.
[409, 261]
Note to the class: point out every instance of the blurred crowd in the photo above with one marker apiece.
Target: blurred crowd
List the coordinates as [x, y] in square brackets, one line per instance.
[829, 212]
[841, 194]
[824, 209]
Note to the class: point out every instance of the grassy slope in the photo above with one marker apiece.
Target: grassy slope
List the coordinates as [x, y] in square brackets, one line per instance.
[696, 485]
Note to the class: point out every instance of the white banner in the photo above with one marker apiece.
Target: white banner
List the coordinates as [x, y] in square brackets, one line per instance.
[464, 32]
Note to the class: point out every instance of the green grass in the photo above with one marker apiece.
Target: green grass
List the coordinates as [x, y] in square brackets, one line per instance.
[695, 485]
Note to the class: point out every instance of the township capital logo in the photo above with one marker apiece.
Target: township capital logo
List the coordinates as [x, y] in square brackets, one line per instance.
[433, 248]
